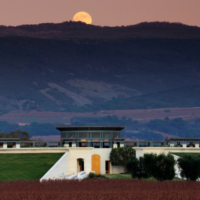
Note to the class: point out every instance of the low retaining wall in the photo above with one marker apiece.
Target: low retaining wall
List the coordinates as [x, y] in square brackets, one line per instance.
[33, 150]
[140, 151]
[60, 167]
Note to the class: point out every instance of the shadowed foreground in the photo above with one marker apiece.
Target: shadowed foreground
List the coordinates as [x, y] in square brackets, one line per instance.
[100, 189]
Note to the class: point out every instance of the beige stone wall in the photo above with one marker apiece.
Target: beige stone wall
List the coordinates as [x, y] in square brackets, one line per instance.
[105, 153]
[86, 155]
[33, 150]
[140, 151]
[117, 170]
[80, 152]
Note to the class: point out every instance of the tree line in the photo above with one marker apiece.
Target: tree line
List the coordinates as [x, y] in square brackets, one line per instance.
[134, 129]
[161, 167]
[22, 135]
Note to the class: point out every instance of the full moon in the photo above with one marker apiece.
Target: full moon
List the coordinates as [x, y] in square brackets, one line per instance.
[83, 17]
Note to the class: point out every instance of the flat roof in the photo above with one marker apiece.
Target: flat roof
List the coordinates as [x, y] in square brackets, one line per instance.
[90, 128]
[183, 139]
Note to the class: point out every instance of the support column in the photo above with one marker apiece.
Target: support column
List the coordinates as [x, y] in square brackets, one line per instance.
[150, 144]
[73, 144]
[77, 144]
[184, 145]
[101, 144]
[47, 144]
[197, 145]
[121, 144]
[17, 145]
[171, 145]
[5, 146]
[139, 153]
[88, 143]
[66, 144]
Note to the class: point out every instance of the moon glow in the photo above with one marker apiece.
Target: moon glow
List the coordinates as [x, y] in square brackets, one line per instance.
[83, 17]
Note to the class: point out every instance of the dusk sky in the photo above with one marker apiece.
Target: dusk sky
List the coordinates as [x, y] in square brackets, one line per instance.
[103, 12]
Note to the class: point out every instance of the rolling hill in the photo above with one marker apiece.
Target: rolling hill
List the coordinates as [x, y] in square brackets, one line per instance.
[79, 30]
[149, 65]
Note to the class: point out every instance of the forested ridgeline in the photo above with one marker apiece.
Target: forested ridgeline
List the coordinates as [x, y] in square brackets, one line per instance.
[153, 130]
[92, 75]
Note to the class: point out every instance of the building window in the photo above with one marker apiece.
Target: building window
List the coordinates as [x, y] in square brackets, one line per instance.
[116, 135]
[106, 135]
[71, 135]
[83, 144]
[96, 135]
[82, 135]
[106, 145]
[96, 144]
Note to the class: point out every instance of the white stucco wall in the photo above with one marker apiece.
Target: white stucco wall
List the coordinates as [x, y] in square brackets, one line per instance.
[80, 152]
[140, 151]
[60, 167]
[177, 170]
[105, 154]
[86, 155]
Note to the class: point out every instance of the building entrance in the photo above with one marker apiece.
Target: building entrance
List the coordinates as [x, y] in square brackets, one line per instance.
[96, 163]
[80, 165]
[107, 165]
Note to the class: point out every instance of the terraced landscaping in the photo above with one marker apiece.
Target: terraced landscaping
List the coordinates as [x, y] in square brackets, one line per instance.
[26, 166]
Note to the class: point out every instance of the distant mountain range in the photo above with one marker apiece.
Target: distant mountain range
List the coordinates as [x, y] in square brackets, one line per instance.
[77, 67]
[79, 30]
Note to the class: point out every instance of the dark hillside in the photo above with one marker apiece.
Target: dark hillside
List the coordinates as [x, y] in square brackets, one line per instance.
[78, 30]
[83, 75]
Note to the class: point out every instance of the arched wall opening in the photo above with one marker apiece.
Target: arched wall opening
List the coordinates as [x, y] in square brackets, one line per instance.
[80, 165]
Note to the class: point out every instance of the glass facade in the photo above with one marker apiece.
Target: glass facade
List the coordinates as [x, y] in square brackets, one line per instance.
[97, 137]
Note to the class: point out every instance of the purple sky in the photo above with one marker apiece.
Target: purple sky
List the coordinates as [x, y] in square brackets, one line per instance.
[103, 12]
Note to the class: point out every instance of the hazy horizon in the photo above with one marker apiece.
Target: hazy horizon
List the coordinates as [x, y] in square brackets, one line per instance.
[104, 13]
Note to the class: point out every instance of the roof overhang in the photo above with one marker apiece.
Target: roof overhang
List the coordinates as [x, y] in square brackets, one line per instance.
[90, 128]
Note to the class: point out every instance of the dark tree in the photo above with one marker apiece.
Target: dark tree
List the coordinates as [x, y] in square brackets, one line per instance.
[189, 167]
[137, 168]
[23, 135]
[119, 156]
[163, 167]
[149, 163]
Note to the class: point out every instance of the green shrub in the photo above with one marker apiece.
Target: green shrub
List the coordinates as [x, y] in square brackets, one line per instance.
[137, 168]
[119, 156]
[163, 167]
[91, 175]
[189, 167]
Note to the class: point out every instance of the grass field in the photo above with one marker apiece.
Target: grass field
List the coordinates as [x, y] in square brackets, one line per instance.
[26, 166]
[118, 176]
[128, 176]
[188, 154]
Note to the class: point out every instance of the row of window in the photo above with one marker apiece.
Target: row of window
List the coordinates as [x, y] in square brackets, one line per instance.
[107, 135]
